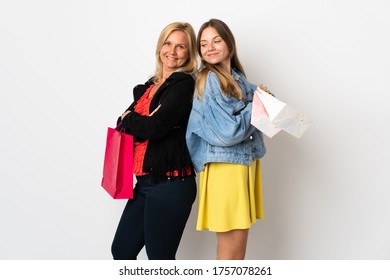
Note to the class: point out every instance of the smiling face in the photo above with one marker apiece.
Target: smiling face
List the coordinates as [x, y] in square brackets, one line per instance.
[174, 52]
[214, 49]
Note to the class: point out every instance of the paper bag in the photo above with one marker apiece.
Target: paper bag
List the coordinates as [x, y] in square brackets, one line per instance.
[270, 115]
[118, 165]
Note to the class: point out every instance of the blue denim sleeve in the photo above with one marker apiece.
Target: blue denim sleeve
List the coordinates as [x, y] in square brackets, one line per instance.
[226, 120]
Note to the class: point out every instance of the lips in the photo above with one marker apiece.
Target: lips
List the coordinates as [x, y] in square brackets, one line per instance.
[171, 58]
[212, 55]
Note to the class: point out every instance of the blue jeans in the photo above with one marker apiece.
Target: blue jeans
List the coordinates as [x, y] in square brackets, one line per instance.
[154, 218]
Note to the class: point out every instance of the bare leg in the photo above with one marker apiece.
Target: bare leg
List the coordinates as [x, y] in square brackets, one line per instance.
[232, 244]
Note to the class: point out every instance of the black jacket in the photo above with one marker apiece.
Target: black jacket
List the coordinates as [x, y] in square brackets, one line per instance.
[167, 149]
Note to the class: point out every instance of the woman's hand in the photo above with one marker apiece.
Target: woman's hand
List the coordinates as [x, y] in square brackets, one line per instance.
[151, 114]
[155, 110]
[124, 114]
[263, 87]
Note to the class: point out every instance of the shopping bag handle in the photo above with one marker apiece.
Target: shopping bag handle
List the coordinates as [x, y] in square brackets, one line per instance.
[119, 127]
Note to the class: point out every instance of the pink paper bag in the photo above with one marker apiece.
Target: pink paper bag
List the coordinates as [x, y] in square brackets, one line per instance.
[118, 165]
[260, 118]
[270, 115]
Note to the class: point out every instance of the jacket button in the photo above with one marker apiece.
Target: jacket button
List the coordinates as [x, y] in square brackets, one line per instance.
[251, 137]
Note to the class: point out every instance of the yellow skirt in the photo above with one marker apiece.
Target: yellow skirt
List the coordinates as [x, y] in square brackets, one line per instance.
[230, 196]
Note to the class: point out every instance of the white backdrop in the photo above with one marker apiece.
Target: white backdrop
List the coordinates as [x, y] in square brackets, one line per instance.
[67, 69]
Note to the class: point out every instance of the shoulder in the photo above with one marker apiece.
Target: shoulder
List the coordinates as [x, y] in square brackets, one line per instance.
[180, 77]
[212, 77]
[212, 81]
[140, 89]
[181, 82]
[237, 75]
[179, 86]
[177, 76]
[212, 86]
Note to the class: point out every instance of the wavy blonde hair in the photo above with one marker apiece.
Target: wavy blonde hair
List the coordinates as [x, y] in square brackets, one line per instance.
[191, 65]
[228, 85]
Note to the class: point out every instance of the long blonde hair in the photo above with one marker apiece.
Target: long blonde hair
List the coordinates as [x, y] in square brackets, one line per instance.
[228, 85]
[191, 65]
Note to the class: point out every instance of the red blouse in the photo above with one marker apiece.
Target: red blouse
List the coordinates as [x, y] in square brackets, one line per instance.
[142, 108]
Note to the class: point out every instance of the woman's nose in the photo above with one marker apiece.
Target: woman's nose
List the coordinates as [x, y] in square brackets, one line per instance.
[172, 49]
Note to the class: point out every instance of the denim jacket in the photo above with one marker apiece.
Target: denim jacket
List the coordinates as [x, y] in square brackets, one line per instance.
[219, 128]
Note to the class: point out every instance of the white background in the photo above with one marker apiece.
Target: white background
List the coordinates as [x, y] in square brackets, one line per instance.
[67, 69]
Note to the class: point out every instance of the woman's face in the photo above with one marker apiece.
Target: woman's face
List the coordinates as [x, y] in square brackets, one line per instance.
[213, 49]
[175, 50]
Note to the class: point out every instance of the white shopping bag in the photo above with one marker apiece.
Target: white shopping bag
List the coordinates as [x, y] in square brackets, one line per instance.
[270, 115]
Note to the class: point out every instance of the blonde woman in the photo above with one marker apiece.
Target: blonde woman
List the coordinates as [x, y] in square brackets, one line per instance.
[166, 187]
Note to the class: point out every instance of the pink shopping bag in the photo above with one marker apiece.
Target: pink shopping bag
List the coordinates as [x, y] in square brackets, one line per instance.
[118, 165]
[260, 118]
